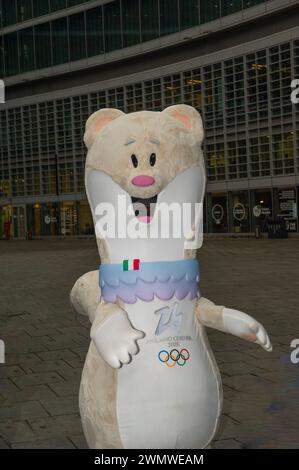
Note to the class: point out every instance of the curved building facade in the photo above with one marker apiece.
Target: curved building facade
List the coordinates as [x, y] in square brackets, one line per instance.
[232, 60]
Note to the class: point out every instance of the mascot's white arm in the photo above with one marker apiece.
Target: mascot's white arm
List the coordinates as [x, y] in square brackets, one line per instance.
[232, 321]
[116, 339]
[112, 333]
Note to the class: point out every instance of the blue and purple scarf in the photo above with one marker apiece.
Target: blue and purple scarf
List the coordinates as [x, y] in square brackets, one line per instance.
[163, 279]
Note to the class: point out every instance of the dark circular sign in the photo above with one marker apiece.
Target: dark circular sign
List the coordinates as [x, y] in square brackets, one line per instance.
[239, 211]
[217, 213]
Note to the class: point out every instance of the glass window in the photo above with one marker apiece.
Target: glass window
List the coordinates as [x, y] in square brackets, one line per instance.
[1, 57]
[24, 10]
[19, 220]
[172, 90]
[57, 4]
[285, 207]
[259, 153]
[192, 93]
[9, 12]
[231, 6]
[72, 3]
[26, 49]
[11, 55]
[5, 222]
[169, 21]
[77, 37]
[265, 155]
[94, 31]
[112, 26]
[131, 25]
[42, 45]
[283, 153]
[149, 20]
[188, 13]
[218, 94]
[215, 161]
[250, 3]
[239, 212]
[68, 218]
[60, 46]
[209, 10]
[217, 203]
[40, 7]
[263, 208]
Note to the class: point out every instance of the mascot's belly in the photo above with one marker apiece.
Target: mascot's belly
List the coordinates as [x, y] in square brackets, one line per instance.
[169, 396]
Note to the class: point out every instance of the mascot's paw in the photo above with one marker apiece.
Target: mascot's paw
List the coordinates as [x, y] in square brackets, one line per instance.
[242, 325]
[116, 340]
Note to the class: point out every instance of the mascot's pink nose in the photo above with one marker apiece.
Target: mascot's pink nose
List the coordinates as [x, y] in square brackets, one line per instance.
[143, 180]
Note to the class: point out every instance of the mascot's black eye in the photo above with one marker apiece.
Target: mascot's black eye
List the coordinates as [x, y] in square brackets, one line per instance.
[153, 159]
[134, 161]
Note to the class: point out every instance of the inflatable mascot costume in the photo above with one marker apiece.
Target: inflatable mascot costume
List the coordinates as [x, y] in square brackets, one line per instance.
[150, 379]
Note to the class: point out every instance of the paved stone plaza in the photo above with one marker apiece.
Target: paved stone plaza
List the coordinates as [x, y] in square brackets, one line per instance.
[46, 346]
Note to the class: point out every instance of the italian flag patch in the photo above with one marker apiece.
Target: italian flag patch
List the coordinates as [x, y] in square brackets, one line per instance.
[131, 264]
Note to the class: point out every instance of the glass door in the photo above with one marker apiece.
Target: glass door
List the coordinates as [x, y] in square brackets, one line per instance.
[5, 223]
[217, 213]
[19, 222]
[68, 217]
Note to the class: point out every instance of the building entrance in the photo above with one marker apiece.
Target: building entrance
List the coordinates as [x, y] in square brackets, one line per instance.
[19, 222]
[5, 222]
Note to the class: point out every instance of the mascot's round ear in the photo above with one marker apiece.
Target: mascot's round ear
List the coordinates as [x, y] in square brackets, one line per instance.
[189, 117]
[97, 121]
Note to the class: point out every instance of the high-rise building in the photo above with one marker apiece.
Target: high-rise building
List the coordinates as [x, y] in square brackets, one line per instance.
[233, 60]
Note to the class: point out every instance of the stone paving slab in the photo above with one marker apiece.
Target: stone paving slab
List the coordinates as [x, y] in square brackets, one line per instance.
[27, 394]
[46, 347]
[53, 443]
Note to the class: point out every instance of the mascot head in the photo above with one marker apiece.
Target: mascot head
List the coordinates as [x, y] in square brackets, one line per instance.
[143, 155]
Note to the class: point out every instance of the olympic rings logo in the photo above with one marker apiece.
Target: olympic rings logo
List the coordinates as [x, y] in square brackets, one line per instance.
[174, 357]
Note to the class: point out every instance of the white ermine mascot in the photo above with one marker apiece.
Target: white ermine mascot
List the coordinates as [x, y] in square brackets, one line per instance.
[150, 379]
